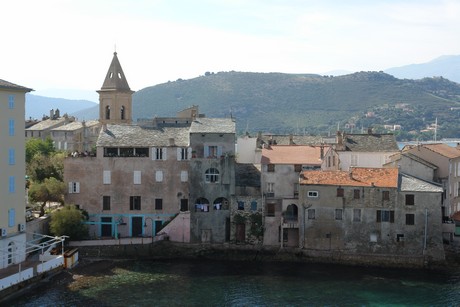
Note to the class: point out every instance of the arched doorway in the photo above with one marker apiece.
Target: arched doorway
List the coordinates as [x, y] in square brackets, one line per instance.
[202, 205]
[220, 203]
[292, 213]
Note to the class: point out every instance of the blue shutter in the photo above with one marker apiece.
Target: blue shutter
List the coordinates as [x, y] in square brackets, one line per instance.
[206, 151]
[11, 127]
[11, 184]
[11, 217]
[219, 151]
[11, 157]
[11, 101]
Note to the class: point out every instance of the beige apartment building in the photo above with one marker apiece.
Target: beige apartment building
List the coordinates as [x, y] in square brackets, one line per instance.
[12, 175]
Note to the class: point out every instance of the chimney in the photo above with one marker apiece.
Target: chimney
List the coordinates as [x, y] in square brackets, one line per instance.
[57, 113]
[104, 127]
[171, 141]
[322, 151]
[369, 130]
[52, 114]
[339, 138]
[291, 139]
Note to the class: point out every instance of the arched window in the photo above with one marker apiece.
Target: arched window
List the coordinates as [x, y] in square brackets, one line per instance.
[291, 212]
[122, 111]
[107, 112]
[220, 203]
[212, 175]
[202, 205]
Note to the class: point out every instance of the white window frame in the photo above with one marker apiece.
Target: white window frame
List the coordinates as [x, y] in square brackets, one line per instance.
[74, 187]
[183, 176]
[137, 177]
[159, 176]
[312, 194]
[106, 177]
[159, 153]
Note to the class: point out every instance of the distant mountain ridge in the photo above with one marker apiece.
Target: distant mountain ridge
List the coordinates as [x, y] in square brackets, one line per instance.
[446, 66]
[38, 106]
[307, 103]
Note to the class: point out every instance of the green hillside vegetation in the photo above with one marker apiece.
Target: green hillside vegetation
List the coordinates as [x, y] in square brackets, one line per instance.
[312, 104]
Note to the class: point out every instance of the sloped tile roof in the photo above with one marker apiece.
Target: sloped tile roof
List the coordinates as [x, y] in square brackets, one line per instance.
[357, 177]
[136, 136]
[370, 143]
[8, 85]
[443, 149]
[296, 140]
[115, 78]
[247, 175]
[213, 125]
[310, 155]
[47, 124]
[75, 125]
[412, 184]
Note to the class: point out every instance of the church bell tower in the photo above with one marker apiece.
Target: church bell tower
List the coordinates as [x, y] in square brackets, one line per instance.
[115, 96]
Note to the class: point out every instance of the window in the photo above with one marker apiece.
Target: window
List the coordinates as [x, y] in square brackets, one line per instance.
[270, 209]
[329, 161]
[340, 192]
[212, 151]
[158, 204]
[356, 194]
[137, 177]
[184, 205]
[253, 205]
[158, 153]
[312, 194]
[385, 195]
[400, 237]
[134, 203]
[240, 205]
[11, 127]
[356, 215]
[311, 214]
[270, 186]
[11, 217]
[74, 187]
[159, 176]
[106, 177]
[270, 168]
[122, 112]
[410, 199]
[107, 112]
[184, 176]
[410, 219]
[296, 189]
[338, 214]
[212, 175]
[105, 202]
[11, 156]
[297, 168]
[11, 101]
[184, 153]
[385, 216]
[373, 237]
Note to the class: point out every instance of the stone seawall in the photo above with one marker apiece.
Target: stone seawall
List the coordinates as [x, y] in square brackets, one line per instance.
[231, 252]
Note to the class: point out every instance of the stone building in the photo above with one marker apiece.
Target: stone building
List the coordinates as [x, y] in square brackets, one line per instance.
[373, 213]
[365, 150]
[280, 169]
[12, 175]
[145, 175]
[212, 178]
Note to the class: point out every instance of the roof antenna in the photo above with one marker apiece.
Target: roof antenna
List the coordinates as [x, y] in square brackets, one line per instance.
[115, 48]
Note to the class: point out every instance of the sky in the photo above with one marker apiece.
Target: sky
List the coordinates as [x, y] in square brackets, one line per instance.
[63, 48]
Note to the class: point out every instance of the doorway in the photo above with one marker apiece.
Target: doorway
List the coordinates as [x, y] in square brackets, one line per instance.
[106, 229]
[136, 226]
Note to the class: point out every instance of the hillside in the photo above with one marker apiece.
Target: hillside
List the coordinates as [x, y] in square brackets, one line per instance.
[291, 103]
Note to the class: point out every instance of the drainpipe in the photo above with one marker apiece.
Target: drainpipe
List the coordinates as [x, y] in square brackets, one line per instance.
[426, 225]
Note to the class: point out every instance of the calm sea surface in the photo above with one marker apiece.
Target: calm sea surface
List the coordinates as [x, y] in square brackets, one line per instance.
[215, 283]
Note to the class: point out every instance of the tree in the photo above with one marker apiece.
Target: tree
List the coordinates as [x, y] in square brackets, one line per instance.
[68, 221]
[38, 146]
[50, 190]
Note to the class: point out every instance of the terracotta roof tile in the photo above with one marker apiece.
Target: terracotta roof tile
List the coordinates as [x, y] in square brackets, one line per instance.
[293, 155]
[357, 176]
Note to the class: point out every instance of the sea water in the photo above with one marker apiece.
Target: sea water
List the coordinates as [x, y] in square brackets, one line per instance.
[219, 283]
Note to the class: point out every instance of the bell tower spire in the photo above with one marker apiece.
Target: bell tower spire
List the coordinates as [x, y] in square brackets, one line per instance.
[115, 96]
